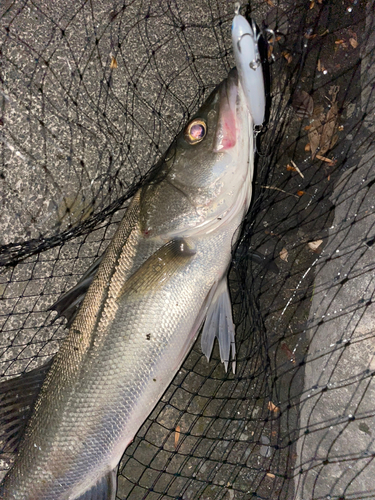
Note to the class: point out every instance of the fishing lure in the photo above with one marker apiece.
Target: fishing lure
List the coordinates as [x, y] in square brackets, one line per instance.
[246, 53]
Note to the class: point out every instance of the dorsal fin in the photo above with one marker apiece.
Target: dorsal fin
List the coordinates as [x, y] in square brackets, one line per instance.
[68, 304]
[17, 400]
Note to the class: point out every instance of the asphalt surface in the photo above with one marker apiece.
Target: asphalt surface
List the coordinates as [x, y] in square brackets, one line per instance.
[336, 447]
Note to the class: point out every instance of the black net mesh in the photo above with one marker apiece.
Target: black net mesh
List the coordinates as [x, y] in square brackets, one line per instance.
[92, 93]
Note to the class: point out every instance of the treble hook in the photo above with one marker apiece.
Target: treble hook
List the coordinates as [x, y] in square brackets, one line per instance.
[255, 63]
[254, 27]
[272, 40]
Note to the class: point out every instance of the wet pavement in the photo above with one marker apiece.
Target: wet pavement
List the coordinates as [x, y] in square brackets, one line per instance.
[336, 409]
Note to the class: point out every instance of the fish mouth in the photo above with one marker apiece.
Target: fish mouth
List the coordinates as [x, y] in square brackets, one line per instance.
[226, 131]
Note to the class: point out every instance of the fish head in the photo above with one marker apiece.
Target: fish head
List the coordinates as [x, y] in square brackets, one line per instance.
[205, 176]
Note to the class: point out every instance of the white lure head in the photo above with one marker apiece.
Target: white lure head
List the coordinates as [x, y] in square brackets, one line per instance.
[249, 67]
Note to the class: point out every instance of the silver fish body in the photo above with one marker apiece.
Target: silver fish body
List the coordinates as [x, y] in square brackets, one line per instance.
[162, 274]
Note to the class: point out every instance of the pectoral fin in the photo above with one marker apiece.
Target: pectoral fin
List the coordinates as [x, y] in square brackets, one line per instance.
[17, 399]
[104, 489]
[219, 323]
[160, 267]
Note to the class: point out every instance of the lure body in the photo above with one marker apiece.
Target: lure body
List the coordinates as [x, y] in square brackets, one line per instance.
[249, 67]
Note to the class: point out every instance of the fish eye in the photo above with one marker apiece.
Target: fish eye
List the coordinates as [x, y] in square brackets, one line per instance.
[195, 131]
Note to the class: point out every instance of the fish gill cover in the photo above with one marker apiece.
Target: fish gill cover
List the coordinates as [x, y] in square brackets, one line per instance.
[92, 93]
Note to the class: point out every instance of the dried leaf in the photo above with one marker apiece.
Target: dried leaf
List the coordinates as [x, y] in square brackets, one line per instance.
[308, 147]
[339, 42]
[333, 91]
[318, 111]
[278, 189]
[113, 64]
[288, 352]
[294, 168]
[269, 474]
[271, 233]
[177, 435]
[310, 37]
[287, 56]
[320, 66]
[329, 137]
[270, 3]
[74, 208]
[314, 135]
[302, 104]
[312, 4]
[353, 42]
[272, 407]
[297, 169]
[313, 245]
[327, 160]
[300, 193]
[322, 135]
[284, 254]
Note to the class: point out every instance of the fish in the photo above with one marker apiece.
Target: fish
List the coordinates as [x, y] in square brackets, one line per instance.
[163, 276]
